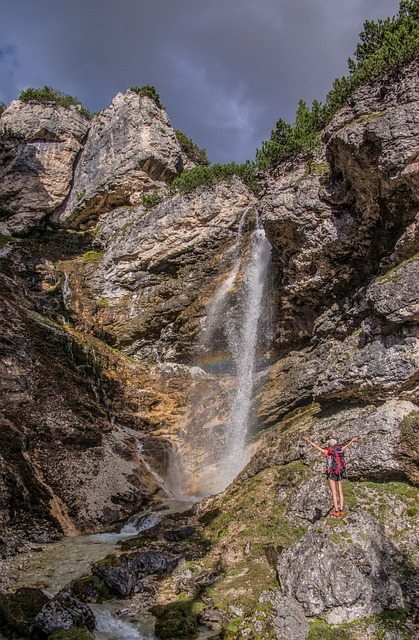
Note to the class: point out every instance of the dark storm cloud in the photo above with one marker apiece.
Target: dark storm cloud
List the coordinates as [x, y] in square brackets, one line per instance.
[225, 69]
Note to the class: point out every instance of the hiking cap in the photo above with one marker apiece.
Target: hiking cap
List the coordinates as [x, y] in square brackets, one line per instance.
[333, 442]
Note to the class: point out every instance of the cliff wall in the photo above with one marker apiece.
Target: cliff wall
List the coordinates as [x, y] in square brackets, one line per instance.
[104, 299]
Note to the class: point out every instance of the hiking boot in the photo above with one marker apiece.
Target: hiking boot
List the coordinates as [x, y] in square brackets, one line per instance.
[341, 513]
[335, 514]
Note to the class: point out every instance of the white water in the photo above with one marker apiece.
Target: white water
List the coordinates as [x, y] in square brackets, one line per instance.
[214, 447]
[67, 292]
[243, 343]
[109, 627]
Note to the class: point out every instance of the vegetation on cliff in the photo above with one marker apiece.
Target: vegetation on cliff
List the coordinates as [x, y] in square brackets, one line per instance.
[48, 95]
[197, 155]
[209, 176]
[150, 92]
[385, 47]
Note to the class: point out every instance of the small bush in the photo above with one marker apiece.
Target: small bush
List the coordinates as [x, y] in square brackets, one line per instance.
[4, 240]
[150, 92]
[197, 155]
[150, 200]
[48, 95]
[2, 107]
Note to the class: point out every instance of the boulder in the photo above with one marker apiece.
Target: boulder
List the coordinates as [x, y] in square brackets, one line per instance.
[19, 610]
[287, 616]
[123, 575]
[64, 611]
[342, 572]
[117, 576]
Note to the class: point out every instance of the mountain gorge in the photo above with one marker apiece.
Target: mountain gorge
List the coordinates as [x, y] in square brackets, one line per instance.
[121, 312]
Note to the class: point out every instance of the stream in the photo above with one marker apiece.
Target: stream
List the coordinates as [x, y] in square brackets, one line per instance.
[52, 566]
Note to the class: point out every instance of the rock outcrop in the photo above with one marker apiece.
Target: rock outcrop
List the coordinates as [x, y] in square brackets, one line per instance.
[342, 573]
[38, 148]
[130, 148]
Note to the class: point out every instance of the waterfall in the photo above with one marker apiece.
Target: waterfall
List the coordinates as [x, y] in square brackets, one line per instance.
[243, 343]
[215, 447]
[66, 291]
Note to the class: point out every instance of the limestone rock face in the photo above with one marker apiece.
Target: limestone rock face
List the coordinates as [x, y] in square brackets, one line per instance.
[38, 147]
[159, 269]
[131, 146]
[57, 419]
[342, 576]
[332, 220]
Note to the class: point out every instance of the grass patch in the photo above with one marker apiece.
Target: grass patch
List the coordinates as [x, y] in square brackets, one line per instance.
[393, 275]
[5, 240]
[320, 630]
[93, 256]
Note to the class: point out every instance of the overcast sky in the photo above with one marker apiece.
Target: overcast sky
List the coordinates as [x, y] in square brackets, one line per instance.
[226, 70]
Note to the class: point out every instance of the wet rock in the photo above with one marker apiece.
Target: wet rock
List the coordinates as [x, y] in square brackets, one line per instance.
[123, 575]
[18, 611]
[117, 577]
[150, 562]
[90, 589]
[64, 612]
[342, 573]
[175, 535]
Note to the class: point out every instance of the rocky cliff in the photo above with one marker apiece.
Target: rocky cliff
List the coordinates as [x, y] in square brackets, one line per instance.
[104, 301]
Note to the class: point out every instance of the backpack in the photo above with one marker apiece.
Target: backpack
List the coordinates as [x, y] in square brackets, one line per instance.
[336, 462]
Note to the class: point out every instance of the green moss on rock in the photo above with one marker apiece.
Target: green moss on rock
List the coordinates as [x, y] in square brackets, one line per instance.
[90, 589]
[76, 633]
[175, 620]
[19, 610]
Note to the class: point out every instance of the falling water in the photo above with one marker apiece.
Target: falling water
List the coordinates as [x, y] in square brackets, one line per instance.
[66, 291]
[243, 343]
[215, 447]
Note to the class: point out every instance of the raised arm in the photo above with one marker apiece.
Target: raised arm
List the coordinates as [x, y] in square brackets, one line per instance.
[316, 446]
[350, 442]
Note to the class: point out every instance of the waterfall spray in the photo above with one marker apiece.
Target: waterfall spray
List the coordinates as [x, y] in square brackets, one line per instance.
[215, 446]
[243, 344]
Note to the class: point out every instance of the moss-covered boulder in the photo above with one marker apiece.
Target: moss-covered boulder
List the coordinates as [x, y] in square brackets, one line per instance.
[175, 620]
[19, 610]
[90, 589]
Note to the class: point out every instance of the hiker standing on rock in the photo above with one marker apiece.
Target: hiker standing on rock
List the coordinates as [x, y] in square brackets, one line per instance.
[335, 469]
